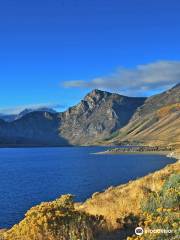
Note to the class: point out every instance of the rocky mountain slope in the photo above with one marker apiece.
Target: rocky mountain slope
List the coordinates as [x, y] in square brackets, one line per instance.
[96, 117]
[157, 121]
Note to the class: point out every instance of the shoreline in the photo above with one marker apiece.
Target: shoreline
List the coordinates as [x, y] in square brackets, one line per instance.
[135, 153]
[139, 150]
[132, 192]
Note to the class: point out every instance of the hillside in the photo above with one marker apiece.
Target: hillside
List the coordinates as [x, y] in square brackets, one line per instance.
[125, 199]
[156, 122]
[36, 128]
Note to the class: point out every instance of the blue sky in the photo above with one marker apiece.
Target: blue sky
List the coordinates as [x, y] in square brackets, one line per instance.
[54, 51]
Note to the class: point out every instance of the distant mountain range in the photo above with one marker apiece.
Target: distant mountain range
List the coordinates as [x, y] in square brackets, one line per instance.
[100, 118]
[13, 117]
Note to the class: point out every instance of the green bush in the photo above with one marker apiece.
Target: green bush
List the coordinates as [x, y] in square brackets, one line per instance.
[162, 211]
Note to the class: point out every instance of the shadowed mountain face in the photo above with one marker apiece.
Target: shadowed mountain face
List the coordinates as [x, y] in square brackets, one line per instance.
[36, 128]
[96, 117]
[157, 121]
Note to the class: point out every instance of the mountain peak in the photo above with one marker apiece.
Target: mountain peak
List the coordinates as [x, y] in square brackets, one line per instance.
[39, 109]
[97, 92]
[96, 95]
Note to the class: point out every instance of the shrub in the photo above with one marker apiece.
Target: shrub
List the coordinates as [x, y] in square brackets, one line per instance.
[161, 211]
[57, 220]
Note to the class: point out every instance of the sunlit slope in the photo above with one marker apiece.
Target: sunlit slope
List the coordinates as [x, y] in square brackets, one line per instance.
[153, 128]
[156, 122]
[118, 202]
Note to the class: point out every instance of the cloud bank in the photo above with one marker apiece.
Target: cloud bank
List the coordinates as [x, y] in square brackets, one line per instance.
[140, 80]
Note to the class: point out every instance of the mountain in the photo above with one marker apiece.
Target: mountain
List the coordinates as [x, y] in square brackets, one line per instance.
[157, 121]
[96, 117]
[29, 110]
[13, 117]
[100, 118]
[7, 118]
[35, 128]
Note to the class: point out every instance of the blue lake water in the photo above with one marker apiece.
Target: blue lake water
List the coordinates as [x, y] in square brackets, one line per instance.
[29, 176]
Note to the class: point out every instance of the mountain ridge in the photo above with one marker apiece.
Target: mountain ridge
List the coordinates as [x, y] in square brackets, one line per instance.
[157, 121]
[13, 117]
[96, 118]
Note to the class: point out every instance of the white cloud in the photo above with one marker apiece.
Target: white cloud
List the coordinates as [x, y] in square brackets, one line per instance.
[143, 78]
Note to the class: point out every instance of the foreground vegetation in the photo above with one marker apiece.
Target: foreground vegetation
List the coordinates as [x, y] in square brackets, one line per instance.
[57, 220]
[151, 202]
[161, 212]
[121, 201]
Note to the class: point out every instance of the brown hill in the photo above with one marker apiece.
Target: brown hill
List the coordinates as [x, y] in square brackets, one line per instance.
[157, 121]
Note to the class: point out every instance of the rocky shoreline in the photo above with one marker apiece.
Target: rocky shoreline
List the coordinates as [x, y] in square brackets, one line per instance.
[140, 149]
[175, 154]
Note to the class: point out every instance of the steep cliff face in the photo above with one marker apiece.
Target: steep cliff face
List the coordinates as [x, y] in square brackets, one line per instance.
[97, 116]
[157, 121]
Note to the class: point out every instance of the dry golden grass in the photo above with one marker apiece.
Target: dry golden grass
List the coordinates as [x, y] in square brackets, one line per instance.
[161, 127]
[162, 112]
[118, 202]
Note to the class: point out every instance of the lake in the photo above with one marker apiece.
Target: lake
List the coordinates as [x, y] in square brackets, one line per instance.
[29, 176]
